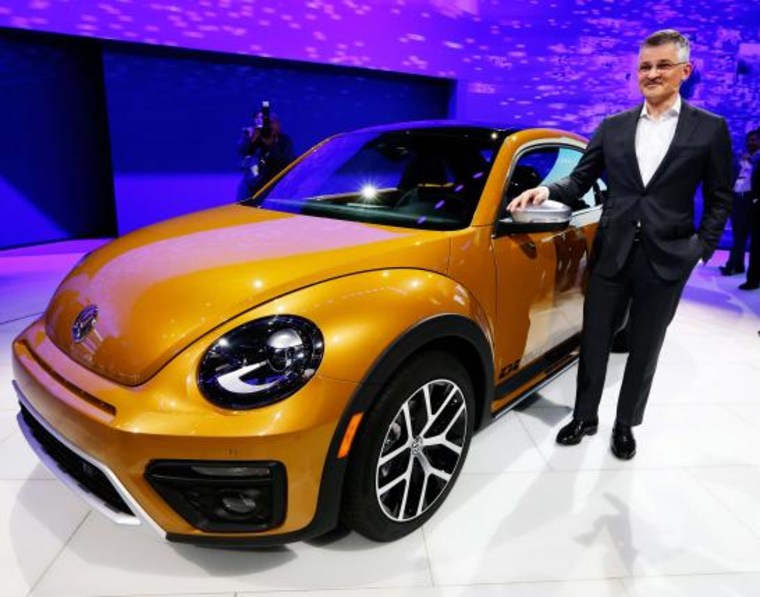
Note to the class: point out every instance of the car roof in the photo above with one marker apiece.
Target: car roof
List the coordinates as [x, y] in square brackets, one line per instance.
[453, 126]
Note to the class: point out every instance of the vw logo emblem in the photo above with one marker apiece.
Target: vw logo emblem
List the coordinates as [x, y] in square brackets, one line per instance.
[84, 323]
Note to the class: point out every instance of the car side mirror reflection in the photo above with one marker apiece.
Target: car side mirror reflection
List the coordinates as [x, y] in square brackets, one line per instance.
[550, 216]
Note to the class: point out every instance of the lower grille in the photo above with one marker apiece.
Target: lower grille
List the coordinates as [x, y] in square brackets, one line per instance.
[89, 477]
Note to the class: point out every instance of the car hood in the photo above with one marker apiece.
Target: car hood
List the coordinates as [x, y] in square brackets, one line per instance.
[160, 288]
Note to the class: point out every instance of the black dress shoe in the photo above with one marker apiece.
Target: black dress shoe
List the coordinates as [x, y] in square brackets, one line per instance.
[730, 270]
[572, 433]
[623, 442]
[749, 286]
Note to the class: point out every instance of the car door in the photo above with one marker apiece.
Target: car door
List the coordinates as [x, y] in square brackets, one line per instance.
[540, 276]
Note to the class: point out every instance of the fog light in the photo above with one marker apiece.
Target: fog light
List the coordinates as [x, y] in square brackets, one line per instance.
[222, 496]
[241, 503]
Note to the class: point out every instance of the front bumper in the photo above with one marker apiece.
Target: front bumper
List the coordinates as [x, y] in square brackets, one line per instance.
[112, 434]
[90, 479]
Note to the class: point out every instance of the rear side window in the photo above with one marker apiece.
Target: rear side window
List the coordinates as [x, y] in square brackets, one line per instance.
[547, 164]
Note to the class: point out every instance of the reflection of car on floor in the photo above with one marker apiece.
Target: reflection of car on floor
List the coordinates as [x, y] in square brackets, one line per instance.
[256, 373]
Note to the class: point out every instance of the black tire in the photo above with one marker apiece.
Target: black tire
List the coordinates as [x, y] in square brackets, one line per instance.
[434, 382]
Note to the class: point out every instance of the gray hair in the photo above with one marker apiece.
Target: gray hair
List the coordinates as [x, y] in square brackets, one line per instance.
[670, 36]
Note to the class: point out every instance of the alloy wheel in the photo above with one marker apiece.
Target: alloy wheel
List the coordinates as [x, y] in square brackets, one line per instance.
[421, 450]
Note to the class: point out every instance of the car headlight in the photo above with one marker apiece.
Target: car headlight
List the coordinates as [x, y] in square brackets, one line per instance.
[261, 362]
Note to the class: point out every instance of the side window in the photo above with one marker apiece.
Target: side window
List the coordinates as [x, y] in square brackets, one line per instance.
[544, 165]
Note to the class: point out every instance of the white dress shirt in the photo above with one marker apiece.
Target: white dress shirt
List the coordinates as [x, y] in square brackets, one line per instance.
[653, 137]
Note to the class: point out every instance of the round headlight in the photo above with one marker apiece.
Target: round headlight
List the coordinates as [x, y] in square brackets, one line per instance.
[261, 362]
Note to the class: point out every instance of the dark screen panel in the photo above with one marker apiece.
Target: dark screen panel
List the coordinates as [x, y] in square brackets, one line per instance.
[55, 173]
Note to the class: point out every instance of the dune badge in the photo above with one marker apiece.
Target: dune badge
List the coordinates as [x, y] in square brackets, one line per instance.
[84, 323]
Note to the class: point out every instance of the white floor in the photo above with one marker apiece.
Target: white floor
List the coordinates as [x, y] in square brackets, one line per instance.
[526, 519]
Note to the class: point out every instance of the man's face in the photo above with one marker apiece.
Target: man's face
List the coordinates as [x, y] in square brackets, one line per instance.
[661, 73]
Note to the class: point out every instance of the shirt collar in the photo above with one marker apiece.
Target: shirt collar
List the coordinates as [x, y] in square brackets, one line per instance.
[675, 110]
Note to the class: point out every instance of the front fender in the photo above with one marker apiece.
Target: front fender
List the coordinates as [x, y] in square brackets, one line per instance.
[364, 315]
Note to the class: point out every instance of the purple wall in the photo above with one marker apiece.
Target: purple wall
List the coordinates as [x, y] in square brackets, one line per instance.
[174, 142]
[554, 62]
[100, 137]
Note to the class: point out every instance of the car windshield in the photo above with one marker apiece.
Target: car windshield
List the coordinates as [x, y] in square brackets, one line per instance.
[414, 178]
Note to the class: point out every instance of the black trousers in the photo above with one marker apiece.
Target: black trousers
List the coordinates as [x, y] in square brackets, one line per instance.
[653, 303]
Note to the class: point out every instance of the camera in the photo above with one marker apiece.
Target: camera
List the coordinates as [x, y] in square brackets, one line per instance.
[263, 119]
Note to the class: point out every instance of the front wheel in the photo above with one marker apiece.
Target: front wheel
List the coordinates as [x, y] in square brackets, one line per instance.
[411, 448]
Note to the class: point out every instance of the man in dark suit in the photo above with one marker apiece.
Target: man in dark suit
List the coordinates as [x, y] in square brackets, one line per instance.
[742, 207]
[753, 270]
[646, 246]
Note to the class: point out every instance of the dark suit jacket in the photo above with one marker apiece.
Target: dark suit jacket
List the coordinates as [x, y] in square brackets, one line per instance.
[755, 183]
[699, 153]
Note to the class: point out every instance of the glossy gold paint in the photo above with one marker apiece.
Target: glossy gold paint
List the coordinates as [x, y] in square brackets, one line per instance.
[168, 292]
[161, 288]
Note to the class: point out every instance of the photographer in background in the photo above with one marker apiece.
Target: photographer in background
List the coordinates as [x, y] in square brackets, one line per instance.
[741, 212]
[265, 151]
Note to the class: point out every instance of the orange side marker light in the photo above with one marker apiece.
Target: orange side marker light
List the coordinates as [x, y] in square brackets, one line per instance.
[348, 437]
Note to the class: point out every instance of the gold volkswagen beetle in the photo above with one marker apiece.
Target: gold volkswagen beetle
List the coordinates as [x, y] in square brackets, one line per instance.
[322, 352]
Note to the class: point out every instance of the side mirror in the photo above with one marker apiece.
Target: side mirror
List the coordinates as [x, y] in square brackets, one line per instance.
[550, 216]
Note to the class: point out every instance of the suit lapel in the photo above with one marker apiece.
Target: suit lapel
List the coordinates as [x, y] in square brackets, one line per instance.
[629, 134]
[684, 129]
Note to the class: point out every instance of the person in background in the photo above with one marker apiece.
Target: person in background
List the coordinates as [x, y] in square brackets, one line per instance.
[753, 271]
[646, 246]
[265, 151]
[741, 212]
